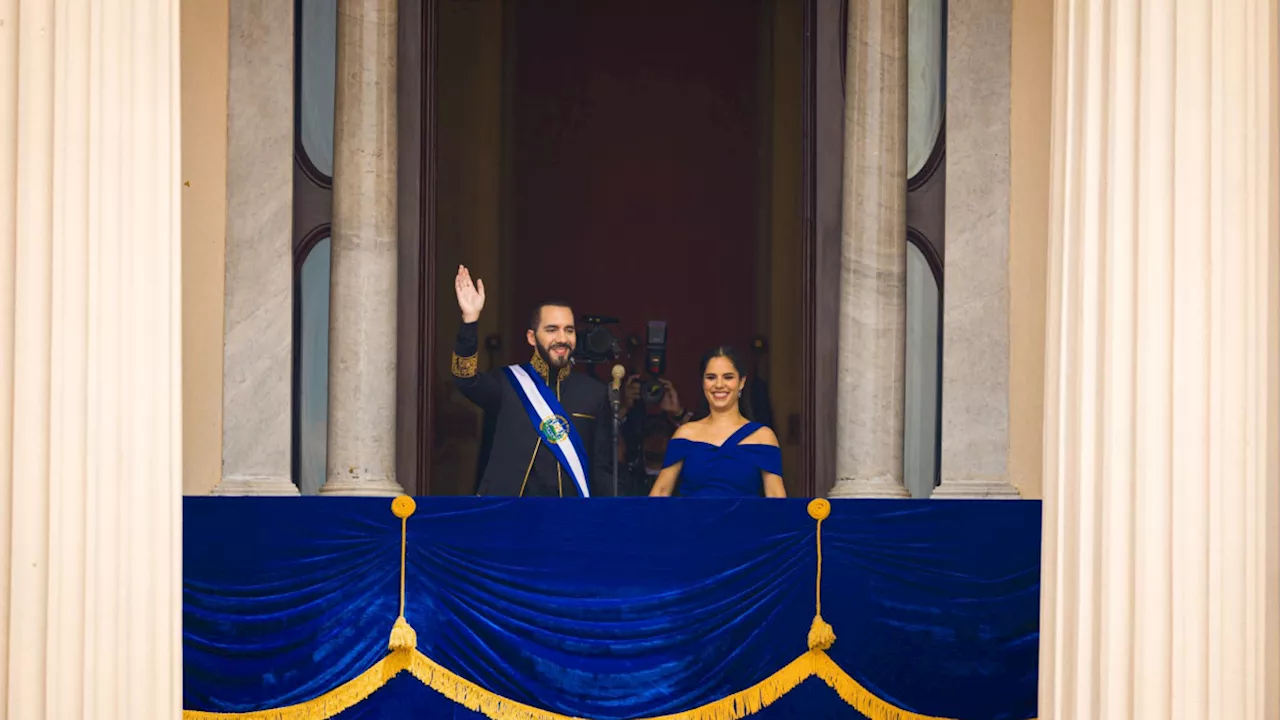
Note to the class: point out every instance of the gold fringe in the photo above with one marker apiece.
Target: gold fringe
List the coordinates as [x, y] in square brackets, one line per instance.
[860, 698]
[753, 699]
[327, 705]
[739, 705]
[472, 696]
[477, 699]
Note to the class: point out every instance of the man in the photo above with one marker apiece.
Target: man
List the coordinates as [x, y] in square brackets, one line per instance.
[553, 427]
[645, 432]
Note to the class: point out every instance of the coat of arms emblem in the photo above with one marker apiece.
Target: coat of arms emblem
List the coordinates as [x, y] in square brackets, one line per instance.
[554, 429]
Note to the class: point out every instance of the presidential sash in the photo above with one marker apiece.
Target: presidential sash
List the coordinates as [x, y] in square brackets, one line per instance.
[551, 422]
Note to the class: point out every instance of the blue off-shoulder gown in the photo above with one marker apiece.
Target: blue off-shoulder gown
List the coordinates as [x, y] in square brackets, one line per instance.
[728, 470]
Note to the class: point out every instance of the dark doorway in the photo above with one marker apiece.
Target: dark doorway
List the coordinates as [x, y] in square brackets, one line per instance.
[634, 157]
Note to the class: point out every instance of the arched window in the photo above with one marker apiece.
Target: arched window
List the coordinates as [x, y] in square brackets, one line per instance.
[923, 406]
[311, 361]
[926, 84]
[926, 213]
[315, 68]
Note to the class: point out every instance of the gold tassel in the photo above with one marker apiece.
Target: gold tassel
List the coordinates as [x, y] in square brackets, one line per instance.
[403, 636]
[821, 635]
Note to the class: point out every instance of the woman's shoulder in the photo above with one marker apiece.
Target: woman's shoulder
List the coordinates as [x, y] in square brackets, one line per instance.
[763, 435]
[693, 430]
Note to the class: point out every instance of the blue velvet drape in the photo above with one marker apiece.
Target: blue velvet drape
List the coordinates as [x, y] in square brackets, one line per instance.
[612, 608]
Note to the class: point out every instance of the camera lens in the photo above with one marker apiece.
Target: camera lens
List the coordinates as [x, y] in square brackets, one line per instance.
[599, 340]
[652, 391]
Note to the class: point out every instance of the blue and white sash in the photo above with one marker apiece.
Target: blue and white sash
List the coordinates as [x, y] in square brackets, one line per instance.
[551, 422]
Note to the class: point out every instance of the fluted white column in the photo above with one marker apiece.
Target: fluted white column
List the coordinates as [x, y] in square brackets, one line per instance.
[362, 305]
[8, 265]
[90, 367]
[1161, 413]
[871, 379]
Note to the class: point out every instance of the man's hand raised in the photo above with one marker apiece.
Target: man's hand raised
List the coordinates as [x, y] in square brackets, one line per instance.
[470, 295]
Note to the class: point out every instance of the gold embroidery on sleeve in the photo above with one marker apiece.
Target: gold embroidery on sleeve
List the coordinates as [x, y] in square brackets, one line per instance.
[465, 367]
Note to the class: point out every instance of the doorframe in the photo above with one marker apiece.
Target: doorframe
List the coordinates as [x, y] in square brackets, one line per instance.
[821, 185]
[822, 172]
[416, 71]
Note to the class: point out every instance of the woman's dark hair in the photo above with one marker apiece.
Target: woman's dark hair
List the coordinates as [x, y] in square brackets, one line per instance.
[728, 353]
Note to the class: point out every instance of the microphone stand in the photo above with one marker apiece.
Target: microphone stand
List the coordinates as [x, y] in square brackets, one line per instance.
[614, 402]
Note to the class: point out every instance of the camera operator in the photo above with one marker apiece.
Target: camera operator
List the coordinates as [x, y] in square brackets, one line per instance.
[646, 428]
[648, 405]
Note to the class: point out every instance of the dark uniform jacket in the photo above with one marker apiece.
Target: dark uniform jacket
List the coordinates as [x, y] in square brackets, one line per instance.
[519, 463]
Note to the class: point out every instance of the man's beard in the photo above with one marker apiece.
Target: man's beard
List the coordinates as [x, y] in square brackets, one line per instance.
[545, 353]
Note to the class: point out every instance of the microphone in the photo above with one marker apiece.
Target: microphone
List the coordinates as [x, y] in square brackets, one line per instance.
[618, 372]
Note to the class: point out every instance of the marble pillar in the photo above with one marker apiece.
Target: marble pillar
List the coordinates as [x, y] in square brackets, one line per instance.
[872, 336]
[258, 323]
[975, 314]
[1162, 409]
[90, 360]
[362, 315]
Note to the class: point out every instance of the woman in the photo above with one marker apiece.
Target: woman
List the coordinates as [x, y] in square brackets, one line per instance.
[724, 454]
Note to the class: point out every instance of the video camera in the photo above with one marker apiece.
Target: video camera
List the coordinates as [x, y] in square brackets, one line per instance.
[597, 344]
[655, 362]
